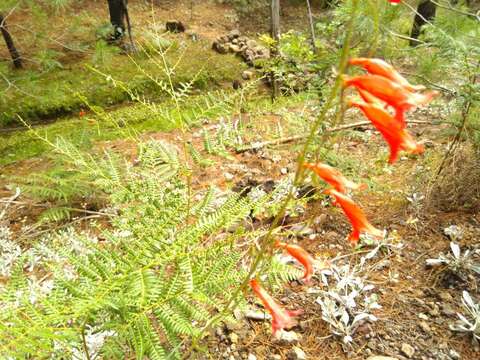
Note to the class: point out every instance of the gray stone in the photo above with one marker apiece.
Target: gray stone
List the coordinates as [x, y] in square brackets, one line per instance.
[288, 336]
[425, 327]
[407, 350]
[447, 310]
[248, 75]
[423, 316]
[233, 325]
[234, 48]
[445, 296]
[251, 44]
[257, 315]
[219, 47]
[234, 34]
[233, 338]
[296, 354]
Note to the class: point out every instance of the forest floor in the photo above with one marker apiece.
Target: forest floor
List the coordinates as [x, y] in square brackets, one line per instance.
[417, 303]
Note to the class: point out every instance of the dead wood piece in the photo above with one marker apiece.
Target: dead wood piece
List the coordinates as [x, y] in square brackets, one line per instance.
[261, 144]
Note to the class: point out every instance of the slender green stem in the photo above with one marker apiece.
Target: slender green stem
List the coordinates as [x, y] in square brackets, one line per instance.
[84, 343]
[267, 242]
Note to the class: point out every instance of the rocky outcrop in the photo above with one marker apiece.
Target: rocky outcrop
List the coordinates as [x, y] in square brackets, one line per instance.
[248, 49]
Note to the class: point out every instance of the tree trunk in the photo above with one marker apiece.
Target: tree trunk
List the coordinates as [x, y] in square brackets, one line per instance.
[425, 13]
[17, 60]
[275, 32]
[312, 26]
[117, 17]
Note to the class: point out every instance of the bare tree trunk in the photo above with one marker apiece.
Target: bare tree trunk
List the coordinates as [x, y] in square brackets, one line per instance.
[425, 13]
[17, 60]
[275, 31]
[312, 27]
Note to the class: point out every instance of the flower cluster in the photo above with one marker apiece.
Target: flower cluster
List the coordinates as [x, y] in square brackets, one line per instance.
[386, 96]
[383, 88]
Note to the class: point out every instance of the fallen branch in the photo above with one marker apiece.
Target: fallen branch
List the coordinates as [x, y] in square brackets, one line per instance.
[432, 84]
[9, 201]
[261, 144]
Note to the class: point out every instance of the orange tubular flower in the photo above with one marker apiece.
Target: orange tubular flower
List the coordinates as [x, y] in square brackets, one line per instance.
[282, 319]
[392, 93]
[333, 177]
[301, 256]
[392, 131]
[356, 216]
[382, 68]
[368, 98]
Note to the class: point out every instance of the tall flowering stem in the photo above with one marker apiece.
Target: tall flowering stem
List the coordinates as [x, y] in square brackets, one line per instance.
[266, 247]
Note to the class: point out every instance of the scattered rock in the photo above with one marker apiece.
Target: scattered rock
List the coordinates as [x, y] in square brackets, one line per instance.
[233, 325]
[251, 357]
[233, 338]
[434, 311]
[175, 26]
[296, 354]
[234, 34]
[288, 337]
[257, 315]
[445, 296]
[247, 75]
[234, 48]
[423, 316]
[228, 176]
[251, 43]
[407, 350]
[247, 49]
[447, 310]
[425, 327]
[219, 47]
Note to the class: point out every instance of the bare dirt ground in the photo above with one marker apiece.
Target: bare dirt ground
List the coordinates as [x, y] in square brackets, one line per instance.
[207, 19]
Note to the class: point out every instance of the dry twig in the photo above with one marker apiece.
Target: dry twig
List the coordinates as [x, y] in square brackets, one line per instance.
[261, 144]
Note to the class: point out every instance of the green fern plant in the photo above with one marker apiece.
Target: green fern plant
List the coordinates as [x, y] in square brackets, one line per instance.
[151, 286]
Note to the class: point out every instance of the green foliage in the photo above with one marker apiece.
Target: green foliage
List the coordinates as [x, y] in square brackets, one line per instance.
[36, 95]
[152, 284]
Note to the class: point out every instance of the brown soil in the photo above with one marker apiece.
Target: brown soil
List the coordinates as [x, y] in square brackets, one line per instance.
[208, 19]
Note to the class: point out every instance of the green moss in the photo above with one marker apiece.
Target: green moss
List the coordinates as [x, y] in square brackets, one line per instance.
[37, 96]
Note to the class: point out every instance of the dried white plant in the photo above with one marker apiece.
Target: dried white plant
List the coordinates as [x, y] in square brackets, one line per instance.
[456, 261]
[348, 302]
[469, 322]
